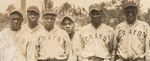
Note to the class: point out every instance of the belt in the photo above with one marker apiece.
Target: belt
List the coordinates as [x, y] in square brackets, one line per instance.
[95, 58]
[52, 60]
[44, 60]
[127, 59]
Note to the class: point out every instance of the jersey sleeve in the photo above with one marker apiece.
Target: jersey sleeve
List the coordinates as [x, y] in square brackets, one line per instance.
[19, 55]
[67, 43]
[2, 43]
[111, 43]
[147, 43]
[115, 42]
[77, 45]
[9, 50]
[33, 49]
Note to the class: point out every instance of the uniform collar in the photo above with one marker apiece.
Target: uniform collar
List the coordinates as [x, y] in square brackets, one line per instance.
[52, 30]
[26, 27]
[9, 32]
[36, 28]
[15, 32]
[134, 24]
[99, 27]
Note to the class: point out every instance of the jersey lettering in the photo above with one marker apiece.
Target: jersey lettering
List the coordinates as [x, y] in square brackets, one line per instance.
[135, 32]
[90, 37]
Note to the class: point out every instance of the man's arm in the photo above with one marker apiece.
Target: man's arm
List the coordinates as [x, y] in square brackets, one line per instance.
[9, 49]
[77, 45]
[19, 55]
[147, 44]
[111, 44]
[32, 50]
[67, 44]
[115, 44]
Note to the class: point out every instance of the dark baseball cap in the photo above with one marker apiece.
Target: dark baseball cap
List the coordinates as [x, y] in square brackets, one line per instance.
[130, 4]
[33, 8]
[51, 12]
[15, 11]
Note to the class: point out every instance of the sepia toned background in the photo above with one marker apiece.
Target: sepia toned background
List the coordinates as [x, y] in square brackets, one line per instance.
[78, 9]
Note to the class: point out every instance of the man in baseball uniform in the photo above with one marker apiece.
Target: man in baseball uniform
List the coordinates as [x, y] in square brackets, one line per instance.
[54, 43]
[132, 37]
[68, 25]
[93, 42]
[31, 28]
[9, 48]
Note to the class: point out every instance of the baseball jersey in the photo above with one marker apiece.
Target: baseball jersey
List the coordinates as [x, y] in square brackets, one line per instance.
[27, 35]
[9, 49]
[133, 41]
[72, 56]
[54, 44]
[89, 41]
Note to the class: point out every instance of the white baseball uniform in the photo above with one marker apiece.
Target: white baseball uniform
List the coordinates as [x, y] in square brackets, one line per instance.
[133, 41]
[54, 44]
[26, 36]
[9, 49]
[72, 56]
[90, 41]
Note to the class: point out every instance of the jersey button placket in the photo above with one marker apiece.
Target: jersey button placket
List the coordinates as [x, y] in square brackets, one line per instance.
[130, 43]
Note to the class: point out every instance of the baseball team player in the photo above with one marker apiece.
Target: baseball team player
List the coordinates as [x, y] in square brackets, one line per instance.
[68, 25]
[93, 42]
[30, 28]
[132, 37]
[54, 43]
[9, 48]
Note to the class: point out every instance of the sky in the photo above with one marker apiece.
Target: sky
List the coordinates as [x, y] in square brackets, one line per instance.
[81, 3]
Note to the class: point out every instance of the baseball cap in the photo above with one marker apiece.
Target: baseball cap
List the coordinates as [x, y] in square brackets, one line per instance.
[15, 11]
[33, 8]
[67, 18]
[52, 12]
[95, 7]
[130, 4]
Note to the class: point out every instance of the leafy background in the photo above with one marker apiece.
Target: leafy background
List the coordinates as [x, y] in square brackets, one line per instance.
[113, 13]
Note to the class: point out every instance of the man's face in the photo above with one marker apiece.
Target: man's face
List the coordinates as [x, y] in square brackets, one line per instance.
[68, 25]
[96, 16]
[32, 16]
[131, 14]
[49, 21]
[15, 22]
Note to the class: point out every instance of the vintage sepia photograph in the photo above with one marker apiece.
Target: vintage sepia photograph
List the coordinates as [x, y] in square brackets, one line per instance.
[74, 30]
